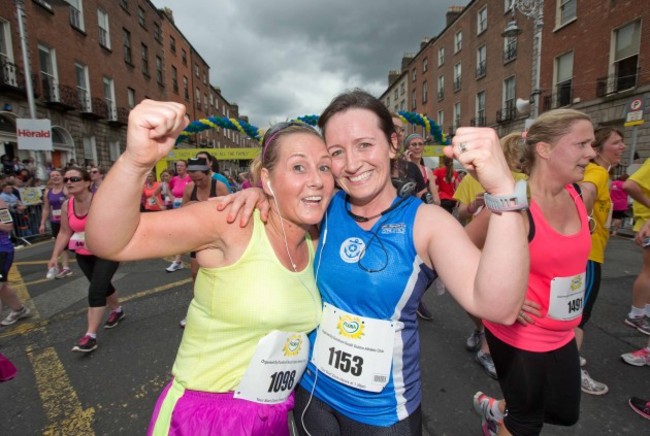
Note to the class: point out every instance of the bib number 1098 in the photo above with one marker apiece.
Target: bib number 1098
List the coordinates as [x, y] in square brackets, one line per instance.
[345, 362]
[282, 380]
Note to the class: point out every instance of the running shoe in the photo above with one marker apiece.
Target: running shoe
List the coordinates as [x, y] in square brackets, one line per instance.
[591, 386]
[583, 361]
[65, 272]
[183, 323]
[15, 316]
[637, 358]
[473, 342]
[85, 344]
[642, 407]
[114, 318]
[482, 406]
[424, 313]
[485, 360]
[640, 323]
[175, 266]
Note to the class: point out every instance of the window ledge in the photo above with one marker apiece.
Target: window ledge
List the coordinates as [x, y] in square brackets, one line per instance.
[562, 26]
[108, 49]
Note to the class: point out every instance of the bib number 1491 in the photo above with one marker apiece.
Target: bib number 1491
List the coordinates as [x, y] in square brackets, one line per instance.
[345, 362]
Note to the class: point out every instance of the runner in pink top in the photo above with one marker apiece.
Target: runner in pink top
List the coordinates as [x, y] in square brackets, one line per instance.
[537, 359]
[178, 182]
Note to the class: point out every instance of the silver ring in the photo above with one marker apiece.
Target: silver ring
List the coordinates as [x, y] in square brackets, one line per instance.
[462, 147]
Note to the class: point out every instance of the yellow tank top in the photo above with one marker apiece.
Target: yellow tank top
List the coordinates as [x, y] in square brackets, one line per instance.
[235, 306]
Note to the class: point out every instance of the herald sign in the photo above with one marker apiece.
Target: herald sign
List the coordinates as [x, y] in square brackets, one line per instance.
[34, 134]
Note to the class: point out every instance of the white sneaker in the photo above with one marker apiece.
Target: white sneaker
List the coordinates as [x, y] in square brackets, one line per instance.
[583, 361]
[175, 266]
[591, 386]
[637, 358]
[183, 323]
[15, 316]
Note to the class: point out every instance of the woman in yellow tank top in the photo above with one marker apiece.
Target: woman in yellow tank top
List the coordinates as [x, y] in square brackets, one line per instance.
[245, 345]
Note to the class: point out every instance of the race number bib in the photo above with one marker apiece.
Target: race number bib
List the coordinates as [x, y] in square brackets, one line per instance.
[77, 241]
[56, 214]
[275, 369]
[354, 350]
[567, 297]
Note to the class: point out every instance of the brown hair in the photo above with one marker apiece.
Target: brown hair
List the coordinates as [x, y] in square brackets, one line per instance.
[511, 144]
[549, 127]
[602, 134]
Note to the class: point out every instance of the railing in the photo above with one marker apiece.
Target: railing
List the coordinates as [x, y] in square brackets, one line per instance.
[63, 96]
[457, 84]
[616, 83]
[10, 75]
[510, 53]
[479, 121]
[562, 97]
[118, 116]
[27, 222]
[506, 114]
[441, 95]
[84, 100]
[99, 107]
[481, 69]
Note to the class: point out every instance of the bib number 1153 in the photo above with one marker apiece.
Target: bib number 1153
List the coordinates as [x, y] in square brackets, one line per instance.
[345, 362]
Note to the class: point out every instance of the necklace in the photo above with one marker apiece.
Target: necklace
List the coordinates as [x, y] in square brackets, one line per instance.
[365, 219]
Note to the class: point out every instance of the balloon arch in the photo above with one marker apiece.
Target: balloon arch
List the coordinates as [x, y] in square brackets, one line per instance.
[431, 127]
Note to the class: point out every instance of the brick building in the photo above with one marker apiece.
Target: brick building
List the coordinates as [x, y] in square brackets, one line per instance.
[90, 62]
[594, 57]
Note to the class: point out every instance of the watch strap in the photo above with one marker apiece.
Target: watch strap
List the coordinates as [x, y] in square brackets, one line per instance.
[508, 203]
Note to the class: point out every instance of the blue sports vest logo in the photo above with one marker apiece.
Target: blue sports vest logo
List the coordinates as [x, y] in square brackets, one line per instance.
[351, 250]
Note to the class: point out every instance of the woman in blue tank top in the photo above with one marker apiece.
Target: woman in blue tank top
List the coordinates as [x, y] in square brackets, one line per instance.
[378, 254]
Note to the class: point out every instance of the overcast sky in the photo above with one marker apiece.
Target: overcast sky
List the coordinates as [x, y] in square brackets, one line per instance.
[279, 59]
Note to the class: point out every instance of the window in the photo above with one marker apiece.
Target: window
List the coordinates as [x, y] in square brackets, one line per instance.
[563, 80]
[457, 76]
[109, 98]
[507, 112]
[441, 87]
[481, 20]
[205, 103]
[157, 32]
[90, 150]
[186, 90]
[458, 41]
[626, 56]
[145, 59]
[425, 64]
[44, 4]
[414, 103]
[83, 91]
[481, 61]
[196, 70]
[48, 74]
[127, 47]
[480, 109]
[104, 31]
[509, 49]
[172, 44]
[174, 79]
[76, 14]
[141, 21]
[205, 77]
[425, 92]
[183, 56]
[441, 118]
[414, 75]
[124, 4]
[507, 5]
[130, 97]
[159, 71]
[456, 115]
[9, 69]
[566, 12]
[114, 150]
[441, 56]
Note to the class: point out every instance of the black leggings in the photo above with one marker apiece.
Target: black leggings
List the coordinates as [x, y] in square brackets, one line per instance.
[99, 272]
[322, 420]
[537, 387]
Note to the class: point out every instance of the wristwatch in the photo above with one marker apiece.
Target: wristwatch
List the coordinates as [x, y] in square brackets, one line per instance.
[508, 203]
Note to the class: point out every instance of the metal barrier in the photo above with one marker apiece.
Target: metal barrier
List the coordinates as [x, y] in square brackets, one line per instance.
[27, 222]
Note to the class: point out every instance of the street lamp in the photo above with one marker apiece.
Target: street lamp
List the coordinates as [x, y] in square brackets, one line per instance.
[531, 9]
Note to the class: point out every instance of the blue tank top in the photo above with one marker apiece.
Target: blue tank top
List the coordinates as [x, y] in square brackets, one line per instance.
[391, 292]
[56, 199]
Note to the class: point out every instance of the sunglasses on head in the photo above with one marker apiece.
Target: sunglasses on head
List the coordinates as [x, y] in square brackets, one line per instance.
[72, 179]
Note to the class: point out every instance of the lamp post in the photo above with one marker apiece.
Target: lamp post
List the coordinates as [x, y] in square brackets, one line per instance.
[531, 9]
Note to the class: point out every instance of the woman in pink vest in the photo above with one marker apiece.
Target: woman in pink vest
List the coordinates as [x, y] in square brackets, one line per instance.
[98, 271]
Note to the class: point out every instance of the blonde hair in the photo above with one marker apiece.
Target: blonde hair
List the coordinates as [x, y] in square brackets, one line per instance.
[549, 127]
[512, 145]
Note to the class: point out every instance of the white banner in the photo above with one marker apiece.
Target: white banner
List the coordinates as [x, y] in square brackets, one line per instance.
[34, 134]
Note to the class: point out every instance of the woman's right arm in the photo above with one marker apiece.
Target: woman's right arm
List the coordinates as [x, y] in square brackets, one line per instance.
[115, 228]
[63, 237]
[45, 212]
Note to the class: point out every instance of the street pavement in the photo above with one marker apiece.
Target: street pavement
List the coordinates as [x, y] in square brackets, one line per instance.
[112, 391]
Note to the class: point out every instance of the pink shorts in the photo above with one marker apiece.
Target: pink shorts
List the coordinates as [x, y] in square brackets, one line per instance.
[181, 411]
